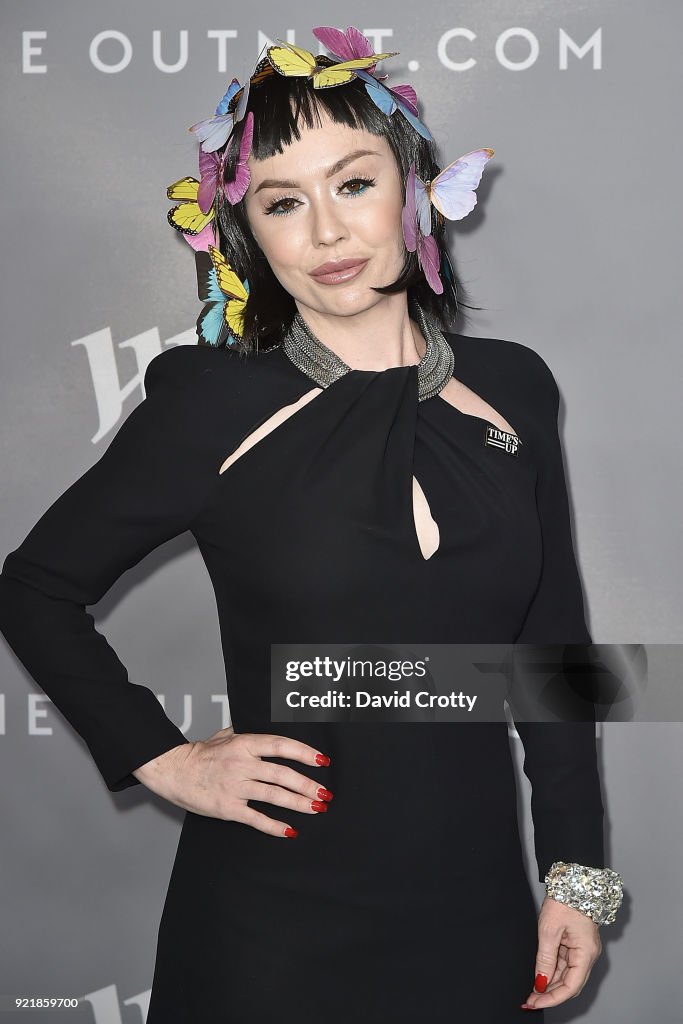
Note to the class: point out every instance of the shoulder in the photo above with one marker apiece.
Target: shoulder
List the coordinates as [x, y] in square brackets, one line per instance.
[199, 370]
[522, 368]
[178, 365]
[208, 398]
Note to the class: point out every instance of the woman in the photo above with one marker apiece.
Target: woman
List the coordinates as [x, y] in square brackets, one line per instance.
[395, 481]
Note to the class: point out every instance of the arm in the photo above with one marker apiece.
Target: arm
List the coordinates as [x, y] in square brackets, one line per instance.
[560, 758]
[145, 489]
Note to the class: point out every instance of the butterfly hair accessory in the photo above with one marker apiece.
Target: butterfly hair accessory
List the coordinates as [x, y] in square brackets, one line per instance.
[351, 45]
[225, 297]
[213, 132]
[235, 188]
[196, 226]
[452, 194]
[294, 61]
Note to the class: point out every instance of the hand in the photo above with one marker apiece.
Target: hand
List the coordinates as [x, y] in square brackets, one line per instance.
[568, 946]
[216, 777]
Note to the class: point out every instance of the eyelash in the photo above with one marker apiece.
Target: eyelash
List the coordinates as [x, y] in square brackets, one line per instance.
[271, 208]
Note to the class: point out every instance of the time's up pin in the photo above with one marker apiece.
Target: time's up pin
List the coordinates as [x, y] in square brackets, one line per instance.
[502, 439]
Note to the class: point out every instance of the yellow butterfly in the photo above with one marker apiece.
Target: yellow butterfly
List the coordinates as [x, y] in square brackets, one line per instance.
[225, 297]
[187, 217]
[294, 61]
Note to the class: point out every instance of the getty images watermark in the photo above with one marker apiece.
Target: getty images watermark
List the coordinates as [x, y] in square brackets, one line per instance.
[475, 682]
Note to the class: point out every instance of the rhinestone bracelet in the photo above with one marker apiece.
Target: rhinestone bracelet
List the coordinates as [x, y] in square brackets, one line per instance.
[596, 892]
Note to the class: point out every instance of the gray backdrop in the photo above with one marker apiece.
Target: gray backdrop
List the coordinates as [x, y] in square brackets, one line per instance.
[573, 250]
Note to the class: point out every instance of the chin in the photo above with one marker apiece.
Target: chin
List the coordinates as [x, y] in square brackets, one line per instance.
[348, 305]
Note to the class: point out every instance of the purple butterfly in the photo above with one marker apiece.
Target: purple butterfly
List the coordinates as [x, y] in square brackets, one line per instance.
[451, 192]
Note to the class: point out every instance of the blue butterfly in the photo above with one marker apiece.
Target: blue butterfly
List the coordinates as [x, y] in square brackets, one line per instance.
[387, 100]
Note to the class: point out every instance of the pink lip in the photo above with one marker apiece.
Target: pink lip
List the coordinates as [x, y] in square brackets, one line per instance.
[335, 267]
[337, 273]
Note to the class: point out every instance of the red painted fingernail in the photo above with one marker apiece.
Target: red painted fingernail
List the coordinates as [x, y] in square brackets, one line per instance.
[291, 832]
[324, 794]
[541, 983]
[322, 759]
[526, 1006]
[318, 805]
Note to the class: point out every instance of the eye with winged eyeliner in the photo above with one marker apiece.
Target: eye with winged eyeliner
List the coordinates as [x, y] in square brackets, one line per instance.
[271, 209]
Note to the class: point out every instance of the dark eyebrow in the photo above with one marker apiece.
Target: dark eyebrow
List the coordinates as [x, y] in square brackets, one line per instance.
[340, 164]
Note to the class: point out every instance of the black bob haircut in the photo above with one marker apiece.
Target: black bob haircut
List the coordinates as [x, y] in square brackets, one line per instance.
[277, 102]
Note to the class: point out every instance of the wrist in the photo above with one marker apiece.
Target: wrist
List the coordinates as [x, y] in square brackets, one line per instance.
[155, 771]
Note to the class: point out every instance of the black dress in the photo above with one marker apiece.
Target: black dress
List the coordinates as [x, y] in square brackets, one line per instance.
[408, 901]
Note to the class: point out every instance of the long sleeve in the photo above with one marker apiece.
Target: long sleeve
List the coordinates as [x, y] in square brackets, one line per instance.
[560, 758]
[144, 490]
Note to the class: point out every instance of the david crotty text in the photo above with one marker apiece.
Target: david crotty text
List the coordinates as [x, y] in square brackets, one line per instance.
[364, 699]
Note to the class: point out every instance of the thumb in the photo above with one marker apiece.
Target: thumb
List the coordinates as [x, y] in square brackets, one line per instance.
[546, 960]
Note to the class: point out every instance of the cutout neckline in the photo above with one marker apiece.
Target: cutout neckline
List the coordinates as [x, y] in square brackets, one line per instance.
[481, 419]
[452, 342]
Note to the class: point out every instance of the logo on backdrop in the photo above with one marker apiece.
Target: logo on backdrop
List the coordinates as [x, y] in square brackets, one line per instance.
[109, 388]
[106, 1007]
[112, 52]
[37, 713]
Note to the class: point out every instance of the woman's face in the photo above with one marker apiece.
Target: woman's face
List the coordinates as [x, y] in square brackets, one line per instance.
[324, 213]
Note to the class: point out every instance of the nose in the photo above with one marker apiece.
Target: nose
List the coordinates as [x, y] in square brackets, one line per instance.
[327, 226]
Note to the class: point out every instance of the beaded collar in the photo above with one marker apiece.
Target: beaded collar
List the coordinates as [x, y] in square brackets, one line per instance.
[324, 366]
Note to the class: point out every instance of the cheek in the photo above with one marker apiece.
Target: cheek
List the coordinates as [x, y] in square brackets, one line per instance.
[275, 245]
[381, 223]
[281, 242]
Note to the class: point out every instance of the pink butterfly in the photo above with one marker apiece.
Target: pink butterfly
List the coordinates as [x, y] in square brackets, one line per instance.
[349, 45]
[418, 240]
[236, 187]
[211, 167]
[205, 238]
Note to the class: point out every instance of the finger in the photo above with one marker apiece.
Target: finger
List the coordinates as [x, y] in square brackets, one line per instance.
[271, 826]
[574, 975]
[264, 744]
[550, 934]
[558, 975]
[562, 963]
[546, 965]
[289, 778]
[573, 981]
[268, 793]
